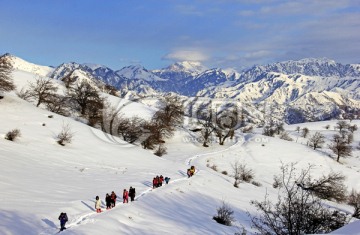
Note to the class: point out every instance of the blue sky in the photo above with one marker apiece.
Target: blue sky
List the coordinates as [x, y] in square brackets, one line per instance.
[156, 33]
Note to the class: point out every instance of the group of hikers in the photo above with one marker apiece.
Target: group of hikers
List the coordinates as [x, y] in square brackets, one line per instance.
[158, 181]
[110, 199]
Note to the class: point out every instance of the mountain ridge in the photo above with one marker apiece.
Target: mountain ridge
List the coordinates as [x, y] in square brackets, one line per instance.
[286, 83]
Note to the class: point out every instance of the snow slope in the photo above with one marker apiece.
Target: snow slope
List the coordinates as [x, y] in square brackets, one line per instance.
[40, 179]
[20, 64]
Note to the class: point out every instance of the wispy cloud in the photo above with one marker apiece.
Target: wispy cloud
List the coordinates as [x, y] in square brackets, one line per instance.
[187, 55]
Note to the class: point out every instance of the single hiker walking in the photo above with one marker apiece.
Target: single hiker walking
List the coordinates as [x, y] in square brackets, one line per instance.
[113, 199]
[125, 196]
[98, 204]
[108, 201]
[132, 193]
[63, 219]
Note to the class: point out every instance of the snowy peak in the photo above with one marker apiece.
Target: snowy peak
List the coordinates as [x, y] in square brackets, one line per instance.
[67, 68]
[20, 64]
[231, 73]
[95, 66]
[192, 67]
[75, 72]
[180, 70]
[138, 72]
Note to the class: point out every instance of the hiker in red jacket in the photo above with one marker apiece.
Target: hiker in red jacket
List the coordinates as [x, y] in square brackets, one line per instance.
[155, 182]
[126, 196]
[158, 181]
[161, 179]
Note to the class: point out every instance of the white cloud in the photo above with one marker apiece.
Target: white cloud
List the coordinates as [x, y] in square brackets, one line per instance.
[187, 55]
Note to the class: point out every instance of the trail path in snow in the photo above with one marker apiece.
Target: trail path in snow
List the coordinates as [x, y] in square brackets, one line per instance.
[90, 217]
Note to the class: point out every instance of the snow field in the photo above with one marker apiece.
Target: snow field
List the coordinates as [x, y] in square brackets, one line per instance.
[40, 179]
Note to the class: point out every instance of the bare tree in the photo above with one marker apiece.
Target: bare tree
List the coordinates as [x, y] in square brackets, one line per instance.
[317, 140]
[340, 147]
[163, 123]
[82, 96]
[131, 129]
[304, 132]
[206, 120]
[298, 129]
[226, 123]
[69, 79]
[153, 135]
[6, 82]
[171, 112]
[354, 200]
[297, 211]
[57, 104]
[328, 187]
[42, 90]
[340, 125]
[95, 111]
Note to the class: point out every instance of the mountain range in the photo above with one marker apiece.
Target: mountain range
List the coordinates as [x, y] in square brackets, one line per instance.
[297, 91]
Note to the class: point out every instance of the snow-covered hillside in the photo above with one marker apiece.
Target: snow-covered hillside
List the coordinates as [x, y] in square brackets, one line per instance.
[40, 178]
[23, 65]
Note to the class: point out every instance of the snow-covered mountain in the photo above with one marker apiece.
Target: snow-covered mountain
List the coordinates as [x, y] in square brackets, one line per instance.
[329, 87]
[300, 84]
[311, 67]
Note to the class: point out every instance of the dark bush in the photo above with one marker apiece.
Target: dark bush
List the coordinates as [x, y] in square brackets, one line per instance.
[160, 151]
[66, 135]
[224, 215]
[12, 135]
